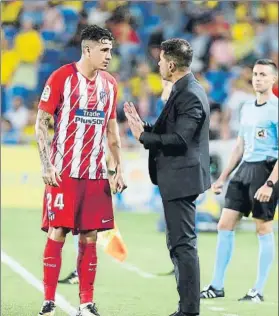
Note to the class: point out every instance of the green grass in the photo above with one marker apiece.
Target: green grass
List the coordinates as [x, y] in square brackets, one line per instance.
[123, 292]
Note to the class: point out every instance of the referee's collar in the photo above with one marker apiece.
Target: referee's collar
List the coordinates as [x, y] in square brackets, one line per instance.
[258, 105]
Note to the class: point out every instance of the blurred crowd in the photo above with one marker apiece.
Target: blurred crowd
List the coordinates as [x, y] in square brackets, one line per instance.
[227, 37]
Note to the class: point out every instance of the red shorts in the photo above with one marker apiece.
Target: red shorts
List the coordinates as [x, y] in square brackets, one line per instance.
[78, 204]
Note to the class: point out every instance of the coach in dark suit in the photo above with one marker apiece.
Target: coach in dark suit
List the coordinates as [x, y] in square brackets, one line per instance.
[178, 145]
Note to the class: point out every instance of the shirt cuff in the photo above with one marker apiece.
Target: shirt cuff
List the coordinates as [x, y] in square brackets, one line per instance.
[141, 138]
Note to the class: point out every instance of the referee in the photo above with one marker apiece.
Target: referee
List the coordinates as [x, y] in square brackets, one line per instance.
[254, 187]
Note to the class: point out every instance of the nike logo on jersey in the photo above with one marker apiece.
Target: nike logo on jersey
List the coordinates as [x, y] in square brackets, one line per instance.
[106, 220]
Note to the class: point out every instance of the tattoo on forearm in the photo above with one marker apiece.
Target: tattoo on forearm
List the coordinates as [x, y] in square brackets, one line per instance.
[42, 123]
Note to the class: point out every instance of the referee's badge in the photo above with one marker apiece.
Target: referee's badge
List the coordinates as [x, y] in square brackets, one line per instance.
[261, 133]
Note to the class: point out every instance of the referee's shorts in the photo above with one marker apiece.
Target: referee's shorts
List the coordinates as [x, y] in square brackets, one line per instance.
[249, 177]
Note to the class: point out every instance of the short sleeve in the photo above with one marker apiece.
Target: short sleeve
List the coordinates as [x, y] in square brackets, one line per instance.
[275, 124]
[52, 94]
[113, 111]
[240, 132]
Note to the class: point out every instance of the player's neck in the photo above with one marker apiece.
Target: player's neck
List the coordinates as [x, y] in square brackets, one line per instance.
[85, 70]
[263, 97]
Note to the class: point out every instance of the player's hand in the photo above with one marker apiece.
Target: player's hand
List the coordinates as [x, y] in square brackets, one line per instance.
[117, 183]
[217, 186]
[51, 176]
[263, 194]
[120, 184]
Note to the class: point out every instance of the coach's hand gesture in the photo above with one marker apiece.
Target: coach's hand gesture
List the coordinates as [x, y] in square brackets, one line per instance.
[217, 186]
[131, 112]
[51, 175]
[264, 193]
[134, 121]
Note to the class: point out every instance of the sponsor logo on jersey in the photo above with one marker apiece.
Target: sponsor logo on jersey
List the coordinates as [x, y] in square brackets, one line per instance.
[90, 117]
[261, 133]
[46, 94]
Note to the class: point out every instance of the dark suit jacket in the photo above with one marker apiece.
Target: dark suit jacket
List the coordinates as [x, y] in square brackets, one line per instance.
[178, 142]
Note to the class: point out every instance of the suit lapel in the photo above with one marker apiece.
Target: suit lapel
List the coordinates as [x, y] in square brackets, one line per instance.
[178, 86]
[165, 110]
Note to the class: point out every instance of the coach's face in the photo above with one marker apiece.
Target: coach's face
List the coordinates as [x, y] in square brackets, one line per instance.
[165, 67]
[99, 54]
[264, 78]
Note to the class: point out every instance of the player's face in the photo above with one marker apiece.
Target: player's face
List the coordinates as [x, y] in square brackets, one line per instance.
[164, 66]
[99, 54]
[264, 78]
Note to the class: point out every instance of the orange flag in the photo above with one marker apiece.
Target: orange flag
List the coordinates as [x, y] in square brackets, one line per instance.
[113, 244]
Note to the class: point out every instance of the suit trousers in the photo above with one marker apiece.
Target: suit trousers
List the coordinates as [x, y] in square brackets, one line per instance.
[182, 244]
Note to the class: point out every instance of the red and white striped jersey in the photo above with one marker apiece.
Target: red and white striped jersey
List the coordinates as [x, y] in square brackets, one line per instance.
[81, 110]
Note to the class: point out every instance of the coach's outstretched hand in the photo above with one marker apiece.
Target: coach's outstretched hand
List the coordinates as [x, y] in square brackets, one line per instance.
[217, 186]
[51, 176]
[134, 120]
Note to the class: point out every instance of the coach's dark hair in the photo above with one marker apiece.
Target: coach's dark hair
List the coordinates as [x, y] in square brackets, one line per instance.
[96, 33]
[267, 62]
[179, 51]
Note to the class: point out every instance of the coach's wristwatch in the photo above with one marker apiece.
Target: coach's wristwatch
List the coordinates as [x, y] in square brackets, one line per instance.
[270, 184]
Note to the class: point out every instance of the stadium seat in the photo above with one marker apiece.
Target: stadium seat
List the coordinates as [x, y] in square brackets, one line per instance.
[71, 18]
[10, 32]
[48, 35]
[69, 15]
[44, 71]
[51, 56]
[20, 91]
[69, 54]
[89, 5]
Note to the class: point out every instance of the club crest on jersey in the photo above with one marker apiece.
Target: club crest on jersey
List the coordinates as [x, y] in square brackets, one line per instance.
[90, 117]
[261, 133]
[51, 215]
[103, 97]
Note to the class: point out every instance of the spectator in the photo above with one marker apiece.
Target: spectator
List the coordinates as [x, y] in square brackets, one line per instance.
[9, 135]
[10, 11]
[18, 114]
[241, 91]
[145, 88]
[170, 15]
[201, 43]
[99, 15]
[28, 43]
[52, 19]
[154, 49]
[222, 51]
[9, 61]
[127, 40]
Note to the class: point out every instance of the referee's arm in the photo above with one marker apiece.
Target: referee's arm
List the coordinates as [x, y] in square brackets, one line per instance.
[274, 174]
[235, 158]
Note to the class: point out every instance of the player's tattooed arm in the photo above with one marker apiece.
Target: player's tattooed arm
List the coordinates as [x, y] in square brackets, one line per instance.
[41, 129]
[42, 124]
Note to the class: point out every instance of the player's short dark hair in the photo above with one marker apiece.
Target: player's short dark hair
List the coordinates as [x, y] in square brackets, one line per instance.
[96, 33]
[179, 51]
[267, 62]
